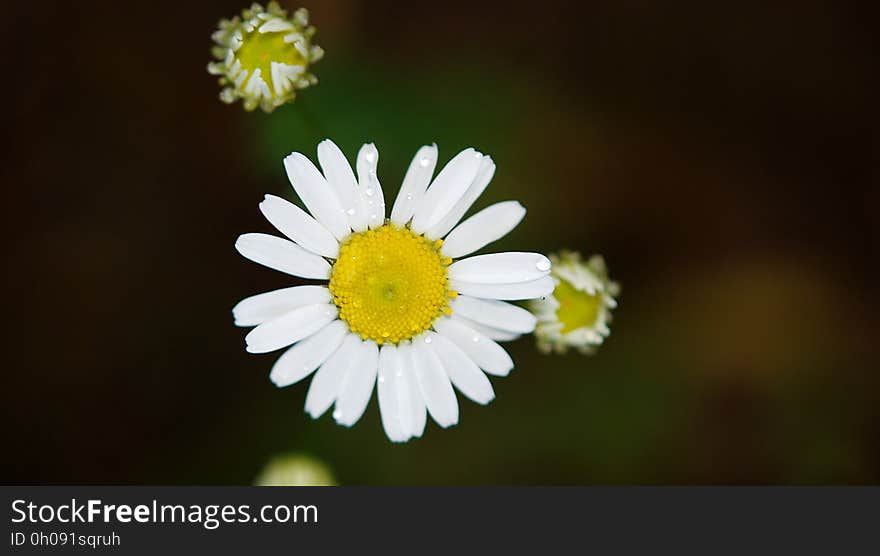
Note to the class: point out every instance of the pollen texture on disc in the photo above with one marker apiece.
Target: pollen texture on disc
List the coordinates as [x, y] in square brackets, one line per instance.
[390, 284]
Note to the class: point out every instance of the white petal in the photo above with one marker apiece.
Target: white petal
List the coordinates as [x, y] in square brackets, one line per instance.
[275, 26]
[316, 194]
[417, 410]
[483, 351]
[260, 308]
[541, 287]
[325, 384]
[296, 224]
[481, 181]
[357, 385]
[289, 328]
[434, 384]
[496, 314]
[416, 181]
[490, 224]
[304, 357]
[463, 372]
[500, 268]
[370, 188]
[393, 395]
[447, 189]
[282, 255]
[338, 173]
[492, 333]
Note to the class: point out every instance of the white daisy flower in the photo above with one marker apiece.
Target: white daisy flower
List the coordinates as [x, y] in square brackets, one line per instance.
[397, 312]
[263, 57]
[579, 310]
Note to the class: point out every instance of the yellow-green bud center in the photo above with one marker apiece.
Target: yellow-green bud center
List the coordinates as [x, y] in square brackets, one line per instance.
[576, 308]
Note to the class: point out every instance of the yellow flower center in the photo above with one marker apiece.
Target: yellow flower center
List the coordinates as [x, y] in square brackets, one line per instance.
[259, 50]
[390, 284]
[577, 308]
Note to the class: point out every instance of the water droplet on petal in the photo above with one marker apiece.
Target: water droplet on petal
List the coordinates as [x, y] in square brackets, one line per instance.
[350, 212]
[475, 338]
[370, 156]
[409, 197]
[424, 161]
[543, 265]
[427, 339]
[381, 379]
[337, 414]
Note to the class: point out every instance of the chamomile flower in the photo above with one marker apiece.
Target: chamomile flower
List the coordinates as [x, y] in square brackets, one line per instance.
[295, 470]
[397, 313]
[263, 57]
[579, 310]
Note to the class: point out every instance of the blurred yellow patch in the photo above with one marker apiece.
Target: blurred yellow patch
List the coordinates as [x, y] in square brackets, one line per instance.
[295, 470]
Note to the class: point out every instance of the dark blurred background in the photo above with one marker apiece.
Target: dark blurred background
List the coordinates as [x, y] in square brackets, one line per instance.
[719, 155]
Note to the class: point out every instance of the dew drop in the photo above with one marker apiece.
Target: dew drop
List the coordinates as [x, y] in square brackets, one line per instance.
[350, 212]
[543, 265]
[409, 197]
[381, 379]
[369, 191]
[428, 339]
[424, 161]
[337, 414]
[475, 338]
[370, 157]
